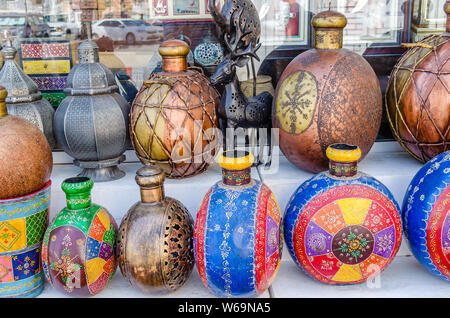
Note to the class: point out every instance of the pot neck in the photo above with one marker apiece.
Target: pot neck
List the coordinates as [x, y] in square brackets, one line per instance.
[343, 169]
[236, 177]
[152, 195]
[78, 192]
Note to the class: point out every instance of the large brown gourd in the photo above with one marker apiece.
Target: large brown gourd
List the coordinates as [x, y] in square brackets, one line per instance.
[418, 96]
[25, 156]
[326, 95]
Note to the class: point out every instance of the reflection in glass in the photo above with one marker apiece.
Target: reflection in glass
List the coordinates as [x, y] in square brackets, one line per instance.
[427, 18]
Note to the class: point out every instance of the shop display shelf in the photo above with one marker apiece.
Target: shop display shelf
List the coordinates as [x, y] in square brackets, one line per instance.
[387, 162]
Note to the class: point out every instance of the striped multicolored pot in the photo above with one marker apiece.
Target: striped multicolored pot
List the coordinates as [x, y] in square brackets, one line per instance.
[78, 250]
[237, 234]
[23, 222]
[426, 215]
[342, 226]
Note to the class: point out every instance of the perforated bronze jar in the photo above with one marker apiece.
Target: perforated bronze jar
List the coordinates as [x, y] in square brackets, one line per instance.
[154, 246]
[326, 95]
[172, 116]
[418, 96]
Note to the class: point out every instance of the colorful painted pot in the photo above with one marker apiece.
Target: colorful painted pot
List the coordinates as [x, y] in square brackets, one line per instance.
[237, 235]
[342, 226]
[78, 250]
[23, 222]
[426, 215]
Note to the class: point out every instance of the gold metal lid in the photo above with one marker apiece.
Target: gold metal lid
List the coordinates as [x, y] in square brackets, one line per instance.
[329, 30]
[329, 19]
[150, 176]
[3, 109]
[173, 47]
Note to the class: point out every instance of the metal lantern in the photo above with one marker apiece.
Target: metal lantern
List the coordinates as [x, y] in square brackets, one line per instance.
[154, 246]
[209, 53]
[418, 96]
[24, 99]
[173, 116]
[91, 123]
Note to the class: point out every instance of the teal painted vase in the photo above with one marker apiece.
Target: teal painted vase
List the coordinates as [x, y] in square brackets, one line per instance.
[23, 221]
[78, 250]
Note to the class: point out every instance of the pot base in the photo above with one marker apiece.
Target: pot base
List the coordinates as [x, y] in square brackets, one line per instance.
[101, 171]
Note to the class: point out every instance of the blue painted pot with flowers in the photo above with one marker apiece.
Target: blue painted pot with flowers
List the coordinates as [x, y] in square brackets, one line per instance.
[426, 215]
[237, 235]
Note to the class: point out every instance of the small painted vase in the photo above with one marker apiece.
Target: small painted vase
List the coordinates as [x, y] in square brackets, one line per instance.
[426, 215]
[342, 226]
[237, 234]
[154, 246]
[78, 249]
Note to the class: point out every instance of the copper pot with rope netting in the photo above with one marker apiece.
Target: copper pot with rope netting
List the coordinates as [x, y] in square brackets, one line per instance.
[173, 120]
[418, 96]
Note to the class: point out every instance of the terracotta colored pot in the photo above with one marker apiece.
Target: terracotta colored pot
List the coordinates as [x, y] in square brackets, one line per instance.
[418, 97]
[25, 155]
[326, 95]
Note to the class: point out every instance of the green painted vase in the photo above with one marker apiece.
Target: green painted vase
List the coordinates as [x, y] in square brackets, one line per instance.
[78, 249]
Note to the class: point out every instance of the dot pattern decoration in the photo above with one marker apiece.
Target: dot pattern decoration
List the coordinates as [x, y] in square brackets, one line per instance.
[426, 215]
[238, 239]
[342, 231]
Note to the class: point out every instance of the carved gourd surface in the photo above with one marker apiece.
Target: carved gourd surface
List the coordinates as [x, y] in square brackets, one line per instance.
[296, 102]
[347, 108]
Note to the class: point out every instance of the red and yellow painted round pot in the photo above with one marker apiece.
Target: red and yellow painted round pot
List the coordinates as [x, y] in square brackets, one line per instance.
[342, 226]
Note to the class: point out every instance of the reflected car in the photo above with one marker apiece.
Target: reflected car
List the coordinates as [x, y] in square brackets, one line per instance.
[68, 24]
[126, 30]
[25, 26]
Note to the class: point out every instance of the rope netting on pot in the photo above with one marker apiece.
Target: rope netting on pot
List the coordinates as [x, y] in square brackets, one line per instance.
[418, 98]
[172, 123]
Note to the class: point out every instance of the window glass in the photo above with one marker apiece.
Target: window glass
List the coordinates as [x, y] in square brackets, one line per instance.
[285, 25]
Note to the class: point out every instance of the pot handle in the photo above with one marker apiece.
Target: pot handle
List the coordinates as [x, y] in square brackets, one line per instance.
[413, 45]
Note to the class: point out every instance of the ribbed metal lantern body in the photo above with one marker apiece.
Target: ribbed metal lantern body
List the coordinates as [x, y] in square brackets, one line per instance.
[24, 99]
[170, 121]
[418, 98]
[91, 123]
[154, 246]
[92, 128]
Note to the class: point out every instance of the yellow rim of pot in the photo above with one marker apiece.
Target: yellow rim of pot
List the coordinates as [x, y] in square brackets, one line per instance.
[242, 160]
